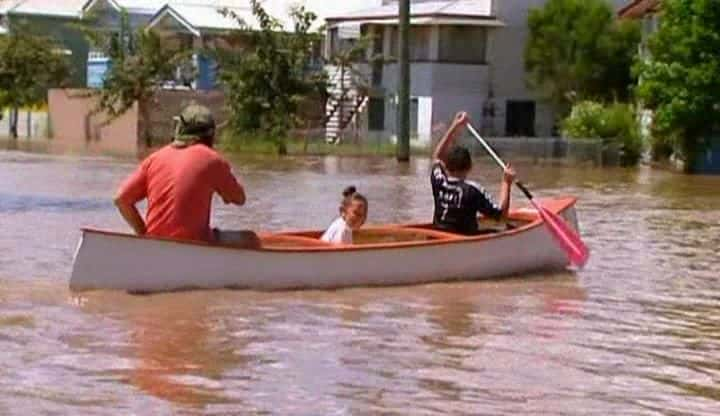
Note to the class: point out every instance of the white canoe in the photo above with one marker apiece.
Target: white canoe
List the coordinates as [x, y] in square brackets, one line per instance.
[389, 255]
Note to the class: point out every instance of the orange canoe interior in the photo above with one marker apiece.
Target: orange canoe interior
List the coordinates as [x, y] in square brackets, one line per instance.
[393, 236]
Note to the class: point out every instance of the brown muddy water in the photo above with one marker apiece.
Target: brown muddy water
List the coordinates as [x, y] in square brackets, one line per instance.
[637, 332]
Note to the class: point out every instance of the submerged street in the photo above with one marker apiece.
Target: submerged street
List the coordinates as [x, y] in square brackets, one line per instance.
[635, 332]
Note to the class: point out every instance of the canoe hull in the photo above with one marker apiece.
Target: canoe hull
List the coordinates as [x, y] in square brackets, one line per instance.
[116, 261]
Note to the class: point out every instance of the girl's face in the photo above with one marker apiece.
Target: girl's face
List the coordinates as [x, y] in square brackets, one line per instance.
[355, 214]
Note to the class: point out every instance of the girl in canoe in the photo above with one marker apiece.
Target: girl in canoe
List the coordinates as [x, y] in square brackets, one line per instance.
[353, 213]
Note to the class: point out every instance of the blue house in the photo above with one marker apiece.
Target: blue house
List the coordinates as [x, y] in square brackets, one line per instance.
[199, 26]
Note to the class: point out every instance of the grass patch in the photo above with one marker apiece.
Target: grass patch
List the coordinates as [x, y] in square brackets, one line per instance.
[249, 144]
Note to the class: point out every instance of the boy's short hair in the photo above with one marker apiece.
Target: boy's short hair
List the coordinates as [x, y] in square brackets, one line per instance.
[458, 159]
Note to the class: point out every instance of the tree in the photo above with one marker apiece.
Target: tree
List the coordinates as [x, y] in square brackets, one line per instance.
[680, 79]
[267, 80]
[577, 50]
[29, 65]
[140, 63]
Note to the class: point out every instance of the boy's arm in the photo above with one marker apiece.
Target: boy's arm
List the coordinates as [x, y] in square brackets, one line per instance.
[505, 188]
[446, 142]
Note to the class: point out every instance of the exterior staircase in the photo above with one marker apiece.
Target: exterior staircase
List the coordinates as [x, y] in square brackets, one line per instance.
[345, 102]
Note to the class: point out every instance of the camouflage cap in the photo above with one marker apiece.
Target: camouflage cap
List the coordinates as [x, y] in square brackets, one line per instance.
[194, 121]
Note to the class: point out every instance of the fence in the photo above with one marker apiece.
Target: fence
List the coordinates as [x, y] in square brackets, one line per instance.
[30, 124]
[552, 148]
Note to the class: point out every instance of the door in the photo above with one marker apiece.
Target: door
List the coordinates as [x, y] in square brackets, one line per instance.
[520, 118]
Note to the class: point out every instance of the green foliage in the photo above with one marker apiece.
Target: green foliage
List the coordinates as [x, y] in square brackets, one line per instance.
[30, 64]
[268, 79]
[615, 123]
[140, 62]
[577, 50]
[680, 79]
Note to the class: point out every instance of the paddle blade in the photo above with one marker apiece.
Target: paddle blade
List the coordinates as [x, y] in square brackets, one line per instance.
[577, 252]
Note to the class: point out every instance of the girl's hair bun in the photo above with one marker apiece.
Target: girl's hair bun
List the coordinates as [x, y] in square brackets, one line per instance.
[349, 191]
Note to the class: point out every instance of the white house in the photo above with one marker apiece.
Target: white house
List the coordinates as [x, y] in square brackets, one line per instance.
[465, 55]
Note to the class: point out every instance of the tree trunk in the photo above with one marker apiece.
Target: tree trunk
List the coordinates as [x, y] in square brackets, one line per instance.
[403, 139]
[13, 121]
[143, 126]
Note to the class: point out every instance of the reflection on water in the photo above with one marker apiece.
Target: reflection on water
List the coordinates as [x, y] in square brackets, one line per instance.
[635, 332]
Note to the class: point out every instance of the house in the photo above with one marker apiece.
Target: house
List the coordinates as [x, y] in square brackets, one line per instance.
[53, 19]
[58, 20]
[647, 11]
[650, 12]
[465, 55]
[199, 26]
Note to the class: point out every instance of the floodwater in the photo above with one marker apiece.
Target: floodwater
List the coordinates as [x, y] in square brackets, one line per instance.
[637, 332]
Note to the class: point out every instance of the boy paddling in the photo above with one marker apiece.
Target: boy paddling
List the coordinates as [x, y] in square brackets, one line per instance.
[457, 200]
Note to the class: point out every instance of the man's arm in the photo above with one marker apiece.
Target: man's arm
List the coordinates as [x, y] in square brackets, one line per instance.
[228, 187]
[132, 191]
[131, 215]
[441, 150]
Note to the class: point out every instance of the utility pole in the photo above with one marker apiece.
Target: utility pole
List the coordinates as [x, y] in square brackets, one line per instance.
[403, 139]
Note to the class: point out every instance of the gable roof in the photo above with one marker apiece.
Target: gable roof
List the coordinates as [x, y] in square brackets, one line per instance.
[639, 8]
[146, 7]
[467, 9]
[196, 18]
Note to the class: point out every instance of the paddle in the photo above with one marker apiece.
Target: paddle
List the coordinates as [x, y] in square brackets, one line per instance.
[566, 237]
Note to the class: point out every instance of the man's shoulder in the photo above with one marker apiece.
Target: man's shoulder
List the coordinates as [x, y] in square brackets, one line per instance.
[205, 154]
[204, 150]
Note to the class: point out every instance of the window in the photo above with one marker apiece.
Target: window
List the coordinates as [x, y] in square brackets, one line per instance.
[419, 43]
[343, 38]
[376, 114]
[462, 44]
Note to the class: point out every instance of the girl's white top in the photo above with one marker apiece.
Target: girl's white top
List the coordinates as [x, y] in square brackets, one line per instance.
[338, 233]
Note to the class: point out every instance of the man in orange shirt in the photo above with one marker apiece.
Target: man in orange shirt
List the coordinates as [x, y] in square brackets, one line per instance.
[179, 181]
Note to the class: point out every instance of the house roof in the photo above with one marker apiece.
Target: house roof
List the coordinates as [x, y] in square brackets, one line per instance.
[196, 18]
[147, 7]
[461, 9]
[62, 8]
[639, 8]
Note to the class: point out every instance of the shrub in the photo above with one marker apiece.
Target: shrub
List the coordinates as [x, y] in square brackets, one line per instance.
[615, 124]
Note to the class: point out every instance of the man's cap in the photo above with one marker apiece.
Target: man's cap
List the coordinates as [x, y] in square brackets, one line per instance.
[194, 121]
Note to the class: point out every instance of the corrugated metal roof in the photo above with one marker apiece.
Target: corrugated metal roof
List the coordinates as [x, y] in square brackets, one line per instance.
[65, 8]
[74, 8]
[148, 7]
[6, 5]
[209, 16]
[198, 18]
[461, 8]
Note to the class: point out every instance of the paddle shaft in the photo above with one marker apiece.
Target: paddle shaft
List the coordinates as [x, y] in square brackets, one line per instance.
[497, 159]
[566, 237]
